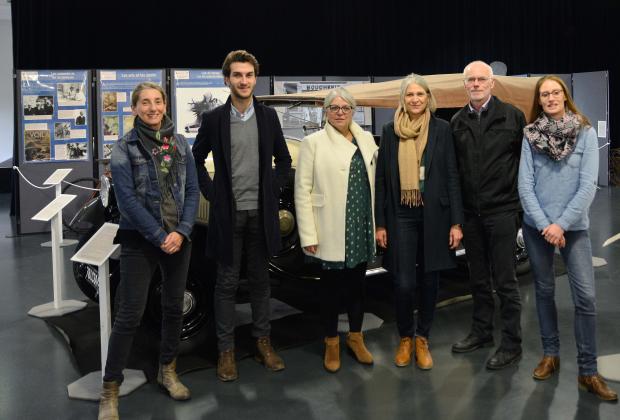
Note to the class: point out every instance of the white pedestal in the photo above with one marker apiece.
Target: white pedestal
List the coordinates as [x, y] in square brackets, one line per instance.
[51, 309]
[64, 243]
[59, 306]
[609, 367]
[88, 387]
[97, 250]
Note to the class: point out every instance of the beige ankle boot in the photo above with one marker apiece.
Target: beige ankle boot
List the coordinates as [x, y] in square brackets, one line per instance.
[331, 362]
[355, 343]
[108, 403]
[167, 378]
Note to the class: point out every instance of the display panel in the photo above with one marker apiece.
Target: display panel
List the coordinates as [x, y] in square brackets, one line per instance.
[114, 114]
[195, 92]
[54, 112]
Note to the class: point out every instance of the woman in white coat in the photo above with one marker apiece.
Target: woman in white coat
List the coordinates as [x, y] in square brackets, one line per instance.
[334, 198]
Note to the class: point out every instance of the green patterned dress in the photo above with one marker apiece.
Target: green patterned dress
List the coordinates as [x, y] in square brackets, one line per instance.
[359, 234]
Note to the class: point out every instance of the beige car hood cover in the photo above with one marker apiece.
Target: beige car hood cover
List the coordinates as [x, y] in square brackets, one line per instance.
[448, 90]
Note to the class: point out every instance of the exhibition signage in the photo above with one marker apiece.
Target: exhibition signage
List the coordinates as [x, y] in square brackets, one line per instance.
[195, 92]
[114, 113]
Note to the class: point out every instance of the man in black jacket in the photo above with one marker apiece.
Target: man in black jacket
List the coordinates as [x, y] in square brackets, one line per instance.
[243, 196]
[487, 139]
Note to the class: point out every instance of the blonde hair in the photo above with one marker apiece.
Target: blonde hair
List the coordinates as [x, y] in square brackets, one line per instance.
[420, 81]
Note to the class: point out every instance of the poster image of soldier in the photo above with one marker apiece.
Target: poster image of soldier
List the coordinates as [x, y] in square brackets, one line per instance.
[107, 151]
[36, 145]
[193, 103]
[110, 127]
[128, 123]
[80, 119]
[70, 94]
[62, 131]
[110, 103]
[38, 106]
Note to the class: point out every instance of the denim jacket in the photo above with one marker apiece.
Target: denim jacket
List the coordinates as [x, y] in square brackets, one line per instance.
[137, 188]
[559, 191]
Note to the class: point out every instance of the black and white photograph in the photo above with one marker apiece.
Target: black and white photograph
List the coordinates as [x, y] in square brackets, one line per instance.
[70, 94]
[62, 131]
[80, 119]
[36, 145]
[71, 151]
[38, 107]
[193, 102]
[107, 150]
[110, 103]
[110, 127]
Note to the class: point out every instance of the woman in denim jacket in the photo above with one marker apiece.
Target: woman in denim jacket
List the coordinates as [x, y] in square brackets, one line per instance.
[157, 193]
[557, 183]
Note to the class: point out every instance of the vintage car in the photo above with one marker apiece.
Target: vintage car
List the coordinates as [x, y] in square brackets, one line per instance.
[289, 268]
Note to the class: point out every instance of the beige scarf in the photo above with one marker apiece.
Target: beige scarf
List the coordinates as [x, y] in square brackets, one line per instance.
[413, 135]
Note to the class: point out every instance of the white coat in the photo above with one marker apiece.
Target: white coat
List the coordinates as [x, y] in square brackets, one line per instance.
[321, 185]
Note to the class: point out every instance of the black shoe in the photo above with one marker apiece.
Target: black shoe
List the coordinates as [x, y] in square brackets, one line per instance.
[471, 343]
[503, 358]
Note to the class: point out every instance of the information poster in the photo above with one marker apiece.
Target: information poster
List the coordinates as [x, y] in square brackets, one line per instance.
[55, 115]
[114, 115]
[195, 92]
[299, 121]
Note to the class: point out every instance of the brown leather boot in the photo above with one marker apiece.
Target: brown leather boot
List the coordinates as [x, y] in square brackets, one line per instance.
[226, 367]
[546, 367]
[355, 344]
[423, 357]
[403, 353]
[168, 379]
[596, 385]
[331, 360]
[267, 355]
[108, 403]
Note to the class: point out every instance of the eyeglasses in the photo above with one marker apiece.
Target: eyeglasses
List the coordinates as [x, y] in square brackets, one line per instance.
[481, 80]
[556, 93]
[335, 108]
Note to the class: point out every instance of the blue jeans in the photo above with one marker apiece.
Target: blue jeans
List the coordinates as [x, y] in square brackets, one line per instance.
[577, 256]
[137, 266]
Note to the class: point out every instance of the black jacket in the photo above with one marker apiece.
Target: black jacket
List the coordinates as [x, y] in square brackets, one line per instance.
[487, 153]
[442, 196]
[214, 136]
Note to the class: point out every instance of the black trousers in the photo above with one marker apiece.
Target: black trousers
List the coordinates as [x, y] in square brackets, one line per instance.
[248, 236]
[338, 287]
[490, 247]
[137, 266]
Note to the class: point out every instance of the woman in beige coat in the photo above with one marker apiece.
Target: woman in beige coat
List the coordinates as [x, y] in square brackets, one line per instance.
[334, 196]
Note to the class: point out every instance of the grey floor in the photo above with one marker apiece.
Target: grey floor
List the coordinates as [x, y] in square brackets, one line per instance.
[36, 365]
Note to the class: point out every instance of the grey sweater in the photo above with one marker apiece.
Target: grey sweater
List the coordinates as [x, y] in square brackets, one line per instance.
[244, 162]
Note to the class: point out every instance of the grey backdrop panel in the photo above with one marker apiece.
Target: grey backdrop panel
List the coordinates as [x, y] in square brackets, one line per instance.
[263, 86]
[383, 115]
[591, 95]
[31, 200]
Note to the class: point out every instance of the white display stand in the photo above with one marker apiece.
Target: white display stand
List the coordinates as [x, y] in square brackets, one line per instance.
[56, 179]
[59, 306]
[97, 251]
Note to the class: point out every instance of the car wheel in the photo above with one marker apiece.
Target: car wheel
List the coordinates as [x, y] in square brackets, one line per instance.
[198, 319]
[522, 259]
